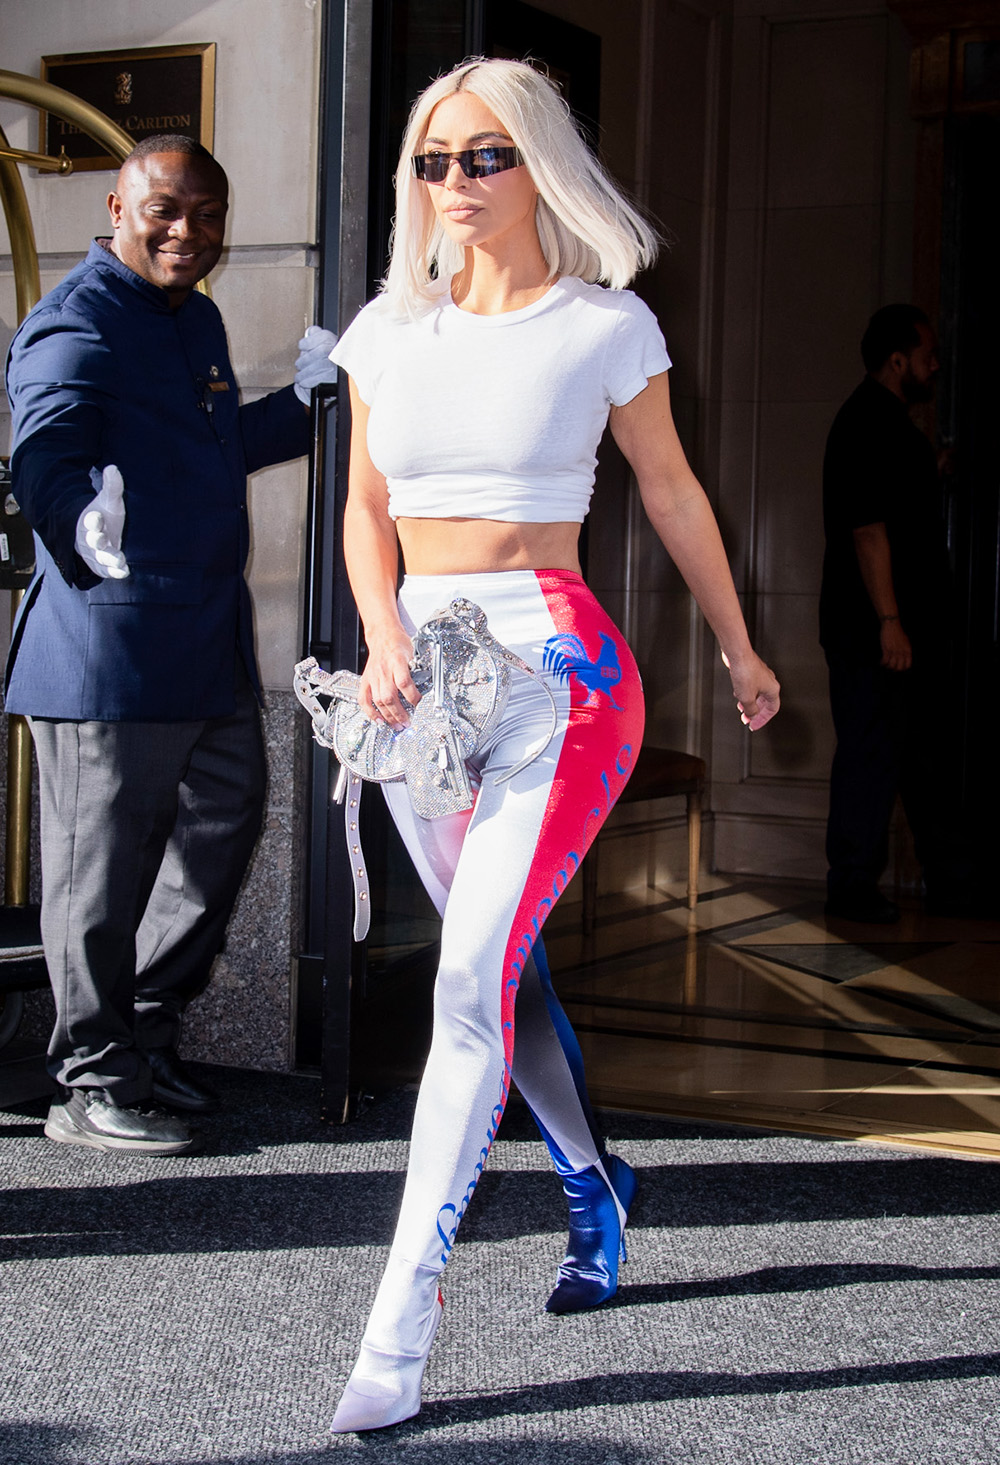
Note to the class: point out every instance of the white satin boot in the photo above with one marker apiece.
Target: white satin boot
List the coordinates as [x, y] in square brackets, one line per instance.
[384, 1387]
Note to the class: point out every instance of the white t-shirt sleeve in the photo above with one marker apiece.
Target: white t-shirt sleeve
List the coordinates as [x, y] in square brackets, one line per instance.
[636, 351]
[357, 352]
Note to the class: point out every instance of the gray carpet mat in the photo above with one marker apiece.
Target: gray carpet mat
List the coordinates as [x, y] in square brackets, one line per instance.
[787, 1300]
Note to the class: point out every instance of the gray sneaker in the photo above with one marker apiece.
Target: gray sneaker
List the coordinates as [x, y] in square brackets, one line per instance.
[88, 1117]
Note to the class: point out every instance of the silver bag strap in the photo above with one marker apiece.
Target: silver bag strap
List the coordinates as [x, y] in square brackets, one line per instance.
[348, 790]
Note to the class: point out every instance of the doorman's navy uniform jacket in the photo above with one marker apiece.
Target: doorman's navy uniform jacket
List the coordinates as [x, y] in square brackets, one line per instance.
[104, 371]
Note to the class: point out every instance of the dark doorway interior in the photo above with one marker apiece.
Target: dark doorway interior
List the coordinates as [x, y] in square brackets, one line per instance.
[970, 326]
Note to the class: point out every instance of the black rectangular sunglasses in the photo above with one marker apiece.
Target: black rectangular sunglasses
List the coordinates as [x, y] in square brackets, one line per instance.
[481, 162]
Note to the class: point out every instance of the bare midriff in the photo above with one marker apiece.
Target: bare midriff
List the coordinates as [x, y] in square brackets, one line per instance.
[475, 546]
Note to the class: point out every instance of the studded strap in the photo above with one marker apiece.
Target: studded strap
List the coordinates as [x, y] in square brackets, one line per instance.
[350, 794]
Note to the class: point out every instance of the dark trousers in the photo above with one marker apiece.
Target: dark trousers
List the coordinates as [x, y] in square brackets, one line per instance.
[146, 832]
[888, 743]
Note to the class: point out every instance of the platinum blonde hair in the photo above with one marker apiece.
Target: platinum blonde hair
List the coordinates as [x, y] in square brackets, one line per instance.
[586, 226]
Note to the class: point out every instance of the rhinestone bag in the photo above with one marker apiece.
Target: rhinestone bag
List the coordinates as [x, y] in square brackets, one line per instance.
[463, 675]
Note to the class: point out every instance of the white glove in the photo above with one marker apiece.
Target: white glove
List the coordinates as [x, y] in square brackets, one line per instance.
[313, 364]
[99, 529]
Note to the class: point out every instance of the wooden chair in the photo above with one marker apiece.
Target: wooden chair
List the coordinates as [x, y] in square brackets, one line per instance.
[659, 773]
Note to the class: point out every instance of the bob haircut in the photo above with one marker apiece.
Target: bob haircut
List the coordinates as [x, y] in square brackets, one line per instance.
[586, 226]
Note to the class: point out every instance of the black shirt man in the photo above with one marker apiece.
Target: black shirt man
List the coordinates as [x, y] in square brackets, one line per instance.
[884, 619]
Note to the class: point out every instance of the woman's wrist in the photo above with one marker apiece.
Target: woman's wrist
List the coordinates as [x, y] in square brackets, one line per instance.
[388, 627]
[744, 655]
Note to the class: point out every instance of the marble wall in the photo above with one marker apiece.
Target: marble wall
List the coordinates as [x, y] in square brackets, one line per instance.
[818, 233]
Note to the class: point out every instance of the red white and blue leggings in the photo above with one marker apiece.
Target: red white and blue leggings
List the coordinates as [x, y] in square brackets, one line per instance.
[494, 873]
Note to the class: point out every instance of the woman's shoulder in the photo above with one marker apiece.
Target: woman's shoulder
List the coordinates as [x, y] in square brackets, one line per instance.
[387, 311]
[371, 316]
[600, 298]
[627, 333]
[375, 338]
[366, 329]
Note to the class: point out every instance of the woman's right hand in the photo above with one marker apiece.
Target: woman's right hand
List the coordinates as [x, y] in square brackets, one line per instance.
[755, 687]
[386, 679]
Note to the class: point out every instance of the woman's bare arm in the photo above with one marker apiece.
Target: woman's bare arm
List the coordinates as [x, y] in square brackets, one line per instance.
[680, 513]
[372, 555]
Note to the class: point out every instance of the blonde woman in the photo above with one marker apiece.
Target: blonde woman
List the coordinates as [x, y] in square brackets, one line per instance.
[481, 380]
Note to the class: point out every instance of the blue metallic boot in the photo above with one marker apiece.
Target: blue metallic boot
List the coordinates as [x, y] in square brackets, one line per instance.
[599, 1200]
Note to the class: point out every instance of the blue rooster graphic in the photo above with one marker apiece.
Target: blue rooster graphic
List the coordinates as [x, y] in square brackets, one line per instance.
[566, 656]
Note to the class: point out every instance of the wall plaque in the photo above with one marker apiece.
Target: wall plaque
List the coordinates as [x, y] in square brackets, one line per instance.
[153, 89]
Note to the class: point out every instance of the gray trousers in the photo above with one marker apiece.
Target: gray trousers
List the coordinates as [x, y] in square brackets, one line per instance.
[147, 829]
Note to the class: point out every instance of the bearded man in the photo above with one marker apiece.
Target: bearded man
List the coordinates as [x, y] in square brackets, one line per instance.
[885, 621]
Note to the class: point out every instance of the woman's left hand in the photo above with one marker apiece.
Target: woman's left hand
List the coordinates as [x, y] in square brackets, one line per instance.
[756, 689]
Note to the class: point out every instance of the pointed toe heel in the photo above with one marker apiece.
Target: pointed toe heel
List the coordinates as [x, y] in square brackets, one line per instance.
[599, 1202]
[384, 1387]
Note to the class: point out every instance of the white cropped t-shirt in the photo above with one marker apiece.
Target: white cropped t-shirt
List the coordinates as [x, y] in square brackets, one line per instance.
[499, 416]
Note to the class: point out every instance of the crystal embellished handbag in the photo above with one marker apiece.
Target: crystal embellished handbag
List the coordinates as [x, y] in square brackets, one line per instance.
[463, 675]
